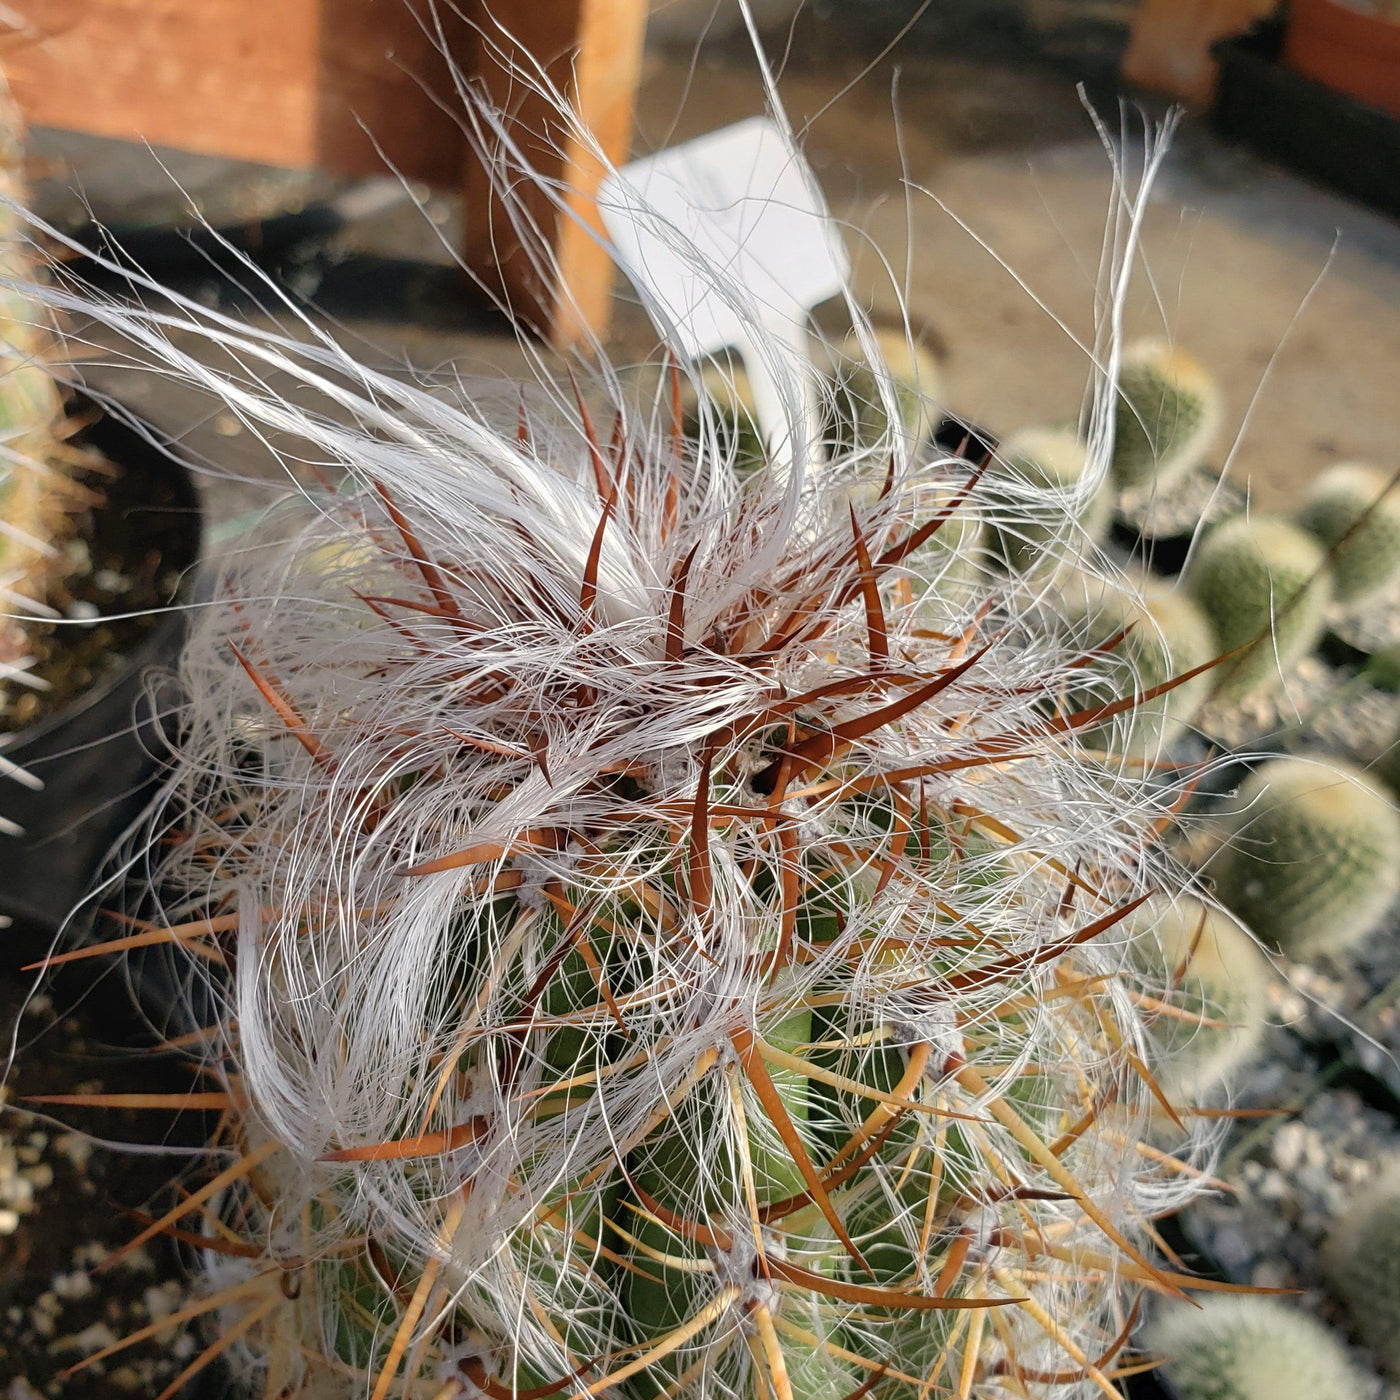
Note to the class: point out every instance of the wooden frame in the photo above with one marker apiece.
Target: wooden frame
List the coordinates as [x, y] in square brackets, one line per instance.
[351, 86]
[1169, 50]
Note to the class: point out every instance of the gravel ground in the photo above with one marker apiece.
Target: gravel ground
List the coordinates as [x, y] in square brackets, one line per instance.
[1292, 1175]
[67, 1203]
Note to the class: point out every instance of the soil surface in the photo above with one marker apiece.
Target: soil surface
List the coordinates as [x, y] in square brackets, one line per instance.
[69, 1203]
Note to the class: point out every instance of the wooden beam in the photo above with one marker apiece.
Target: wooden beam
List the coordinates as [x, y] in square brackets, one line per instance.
[355, 85]
[592, 51]
[1169, 50]
[342, 85]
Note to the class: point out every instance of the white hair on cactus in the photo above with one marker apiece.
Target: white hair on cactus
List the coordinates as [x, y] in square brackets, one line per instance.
[511, 695]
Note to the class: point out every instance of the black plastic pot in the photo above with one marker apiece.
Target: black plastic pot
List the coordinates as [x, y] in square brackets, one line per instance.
[98, 757]
[1148, 1385]
[1315, 130]
[1165, 554]
[964, 439]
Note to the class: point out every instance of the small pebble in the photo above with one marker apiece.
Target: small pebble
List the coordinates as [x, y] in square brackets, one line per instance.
[110, 581]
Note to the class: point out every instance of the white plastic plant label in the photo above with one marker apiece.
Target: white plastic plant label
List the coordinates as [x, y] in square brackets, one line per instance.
[733, 219]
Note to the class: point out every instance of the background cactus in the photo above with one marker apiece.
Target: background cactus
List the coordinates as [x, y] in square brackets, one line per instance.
[1262, 582]
[1361, 1259]
[908, 371]
[731, 417]
[1244, 1348]
[1216, 1023]
[1169, 410]
[1164, 635]
[1311, 861]
[35, 497]
[1333, 510]
[1038, 501]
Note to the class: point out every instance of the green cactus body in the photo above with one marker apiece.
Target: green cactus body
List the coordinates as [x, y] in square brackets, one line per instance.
[1361, 1259]
[668, 1285]
[1246, 1348]
[1263, 583]
[1168, 415]
[33, 506]
[859, 417]
[1221, 981]
[732, 415]
[1354, 511]
[950, 567]
[1164, 635]
[1312, 858]
[1052, 460]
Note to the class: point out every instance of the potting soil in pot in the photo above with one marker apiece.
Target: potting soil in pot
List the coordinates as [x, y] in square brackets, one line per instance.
[68, 1204]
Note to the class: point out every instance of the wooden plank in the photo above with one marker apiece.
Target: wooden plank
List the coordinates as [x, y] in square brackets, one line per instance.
[299, 83]
[1169, 50]
[592, 50]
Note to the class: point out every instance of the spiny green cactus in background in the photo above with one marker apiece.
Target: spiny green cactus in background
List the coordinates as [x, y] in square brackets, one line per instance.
[732, 416]
[1361, 1260]
[33, 499]
[1164, 635]
[1354, 510]
[1216, 1023]
[1311, 859]
[1264, 584]
[1047, 466]
[1169, 410]
[859, 414]
[1250, 1348]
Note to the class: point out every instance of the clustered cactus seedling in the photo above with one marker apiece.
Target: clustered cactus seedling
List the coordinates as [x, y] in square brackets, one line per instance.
[1264, 585]
[35, 494]
[1354, 510]
[728, 414]
[1153, 634]
[667, 945]
[1243, 1348]
[1046, 493]
[1215, 1024]
[854, 397]
[1169, 410]
[1311, 860]
[903, 370]
[1362, 1262]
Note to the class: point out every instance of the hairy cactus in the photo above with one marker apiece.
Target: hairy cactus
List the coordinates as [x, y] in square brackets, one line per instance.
[1163, 634]
[1215, 1026]
[1245, 1348]
[660, 943]
[1169, 410]
[1042, 497]
[1264, 585]
[859, 392]
[1355, 511]
[1361, 1259]
[1311, 861]
[34, 504]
